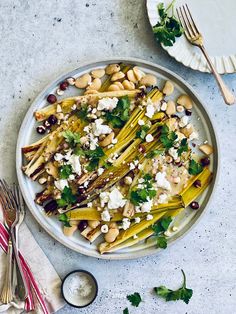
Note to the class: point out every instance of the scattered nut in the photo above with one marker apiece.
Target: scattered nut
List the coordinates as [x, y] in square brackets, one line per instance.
[164, 106]
[71, 81]
[176, 180]
[170, 108]
[95, 85]
[128, 180]
[107, 140]
[148, 80]
[169, 159]
[129, 209]
[111, 235]
[93, 223]
[138, 73]
[185, 101]
[117, 76]
[83, 81]
[90, 91]
[119, 84]
[131, 76]
[68, 231]
[60, 92]
[168, 88]
[128, 85]
[112, 68]
[206, 149]
[98, 73]
[42, 180]
[188, 130]
[180, 108]
[113, 87]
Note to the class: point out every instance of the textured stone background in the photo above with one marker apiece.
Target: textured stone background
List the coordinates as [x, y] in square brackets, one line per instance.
[39, 40]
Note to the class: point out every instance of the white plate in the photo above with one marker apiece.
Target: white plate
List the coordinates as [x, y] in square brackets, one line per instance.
[216, 21]
[28, 135]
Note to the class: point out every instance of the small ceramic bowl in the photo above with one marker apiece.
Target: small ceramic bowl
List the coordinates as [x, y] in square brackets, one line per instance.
[79, 288]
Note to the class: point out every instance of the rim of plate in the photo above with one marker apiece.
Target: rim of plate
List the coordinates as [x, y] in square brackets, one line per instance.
[149, 250]
[182, 51]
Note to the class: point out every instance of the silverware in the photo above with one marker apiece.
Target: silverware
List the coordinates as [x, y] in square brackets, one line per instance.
[195, 38]
[20, 282]
[10, 216]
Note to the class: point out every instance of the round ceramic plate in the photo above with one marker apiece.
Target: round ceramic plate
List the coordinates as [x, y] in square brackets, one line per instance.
[28, 135]
[216, 21]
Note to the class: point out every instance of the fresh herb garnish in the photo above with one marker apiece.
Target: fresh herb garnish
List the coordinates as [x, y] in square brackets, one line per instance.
[154, 153]
[83, 113]
[159, 228]
[126, 311]
[94, 157]
[142, 132]
[182, 293]
[120, 115]
[67, 197]
[168, 27]
[65, 171]
[167, 137]
[142, 195]
[71, 137]
[65, 219]
[194, 167]
[134, 299]
[183, 147]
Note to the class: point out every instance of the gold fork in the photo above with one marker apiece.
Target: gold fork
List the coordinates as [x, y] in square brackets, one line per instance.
[195, 38]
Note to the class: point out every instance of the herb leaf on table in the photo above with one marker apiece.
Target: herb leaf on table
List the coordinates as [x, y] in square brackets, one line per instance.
[168, 28]
[134, 299]
[126, 311]
[182, 293]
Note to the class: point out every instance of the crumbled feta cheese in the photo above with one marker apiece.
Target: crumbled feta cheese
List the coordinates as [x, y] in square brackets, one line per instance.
[136, 162]
[135, 236]
[74, 161]
[61, 184]
[93, 142]
[141, 180]
[140, 166]
[104, 198]
[71, 177]
[149, 138]
[150, 110]
[90, 204]
[161, 181]
[193, 136]
[164, 106]
[146, 207]
[114, 141]
[87, 129]
[173, 153]
[105, 215]
[125, 223]
[116, 199]
[59, 108]
[141, 122]
[74, 107]
[86, 183]
[107, 103]
[58, 157]
[162, 198]
[149, 217]
[137, 220]
[94, 110]
[104, 228]
[68, 154]
[183, 121]
[131, 166]
[100, 171]
[99, 128]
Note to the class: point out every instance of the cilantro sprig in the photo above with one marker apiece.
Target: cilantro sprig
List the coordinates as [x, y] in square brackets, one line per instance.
[92, 155]
[168, 28]
[65, 220]
[72, 138]
[120, 115]
[154, 153]
[83, 113]
[142, 195]
[65, 171]
[67, 197]
[182, 293]
[167, 137]
[183, 147]
[159, 228]
[194, 167]
[142, 132]
[134, 299]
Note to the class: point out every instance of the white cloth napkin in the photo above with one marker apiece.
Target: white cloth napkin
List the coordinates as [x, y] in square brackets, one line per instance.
[45, 275]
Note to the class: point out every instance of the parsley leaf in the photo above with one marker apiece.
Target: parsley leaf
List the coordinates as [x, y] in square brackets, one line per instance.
[194, 167]
[142, 195]
[142, 132]
[94, 157]
[120, 115]
[67, 197]
[183, 146]
[182, 293]
[71, 137]
[154, 153]
[167, 137]
[126, 311]
[65, 171]
[134, 299]
[159, 228]
[83, 113]
[65, 219]
[168, 28]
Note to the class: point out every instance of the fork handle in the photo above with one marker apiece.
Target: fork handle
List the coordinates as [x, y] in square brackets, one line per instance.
[7, 294]
[228, 96]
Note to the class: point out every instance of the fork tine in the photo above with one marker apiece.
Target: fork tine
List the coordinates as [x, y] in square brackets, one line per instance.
[188, 27]
[191, 25]
[182, 21]
[190, 15]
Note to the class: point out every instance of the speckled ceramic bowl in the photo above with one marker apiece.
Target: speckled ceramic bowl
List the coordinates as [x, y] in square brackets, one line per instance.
[28, 135]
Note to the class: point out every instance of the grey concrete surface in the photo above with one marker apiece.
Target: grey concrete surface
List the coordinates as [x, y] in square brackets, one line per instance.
[41, 39]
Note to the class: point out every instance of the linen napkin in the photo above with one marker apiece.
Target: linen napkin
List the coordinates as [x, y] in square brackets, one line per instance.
[46, 282]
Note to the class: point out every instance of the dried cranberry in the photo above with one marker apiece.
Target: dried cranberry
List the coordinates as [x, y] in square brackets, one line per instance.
[82, 225]
[52, 119]
[188, 112]
[205, 161]
[81, 190]
[142, 148]
[47, 124]
[41, 129]
[194, 205]
[51, 99]
[64, 85]
[50, 207]
[197, 184]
